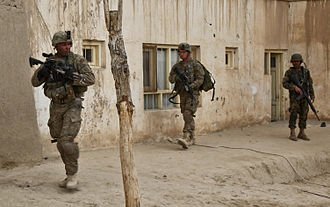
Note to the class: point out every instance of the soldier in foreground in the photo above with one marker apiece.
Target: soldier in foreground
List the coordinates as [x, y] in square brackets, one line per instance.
[298, 106]
[188, 76]
[65, 76]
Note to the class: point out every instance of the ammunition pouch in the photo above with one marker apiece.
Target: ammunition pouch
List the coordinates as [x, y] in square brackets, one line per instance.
[59, 93]
[79, 89]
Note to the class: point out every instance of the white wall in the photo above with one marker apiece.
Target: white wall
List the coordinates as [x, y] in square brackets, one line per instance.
[242, 96]
[310, 36]
[19, 133]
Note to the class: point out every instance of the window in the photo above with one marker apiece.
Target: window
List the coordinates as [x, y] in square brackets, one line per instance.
[231, 58]
[273, 62]
[148, 73]
[94, 52]
[157, 63]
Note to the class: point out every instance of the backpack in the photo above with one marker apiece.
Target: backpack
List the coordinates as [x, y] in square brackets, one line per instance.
[209, 81]
[208, 84]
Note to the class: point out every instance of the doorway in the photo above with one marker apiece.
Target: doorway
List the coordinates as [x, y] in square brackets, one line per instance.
[274, 68]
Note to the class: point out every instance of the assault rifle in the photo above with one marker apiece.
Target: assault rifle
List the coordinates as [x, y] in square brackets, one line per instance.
[305, 96]
[184, 79]
[59, 70]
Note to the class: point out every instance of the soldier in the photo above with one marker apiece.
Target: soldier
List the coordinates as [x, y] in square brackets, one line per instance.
[188, 76]
[66, 94]
[298, 106]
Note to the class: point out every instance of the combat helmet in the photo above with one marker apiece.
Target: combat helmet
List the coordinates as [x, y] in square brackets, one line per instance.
[184, 46]
[60, 37]
[296, 57]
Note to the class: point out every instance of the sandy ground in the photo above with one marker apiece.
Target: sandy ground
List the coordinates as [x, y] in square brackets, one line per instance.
[284, 173]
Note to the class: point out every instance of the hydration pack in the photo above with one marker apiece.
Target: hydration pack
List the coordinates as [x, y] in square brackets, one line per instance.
[209, 81]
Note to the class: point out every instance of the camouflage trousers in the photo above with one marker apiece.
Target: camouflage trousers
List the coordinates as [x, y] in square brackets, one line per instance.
[188, 110]
[300, 108]
[64, 124]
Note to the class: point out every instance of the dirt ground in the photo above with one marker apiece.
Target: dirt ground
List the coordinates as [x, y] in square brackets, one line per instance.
[253, 166]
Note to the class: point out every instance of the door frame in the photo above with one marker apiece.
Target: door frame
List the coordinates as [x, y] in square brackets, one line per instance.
[280, 112]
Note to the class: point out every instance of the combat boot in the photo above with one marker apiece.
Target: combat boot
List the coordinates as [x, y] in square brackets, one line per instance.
[183, 143]
[192, 140]
[302, 135]
[62, 184]
[72, 182]
[293, 135]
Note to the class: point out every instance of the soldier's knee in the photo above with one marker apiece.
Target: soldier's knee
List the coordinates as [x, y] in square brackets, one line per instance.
[293, 114]
[187, 114]
[68, 148]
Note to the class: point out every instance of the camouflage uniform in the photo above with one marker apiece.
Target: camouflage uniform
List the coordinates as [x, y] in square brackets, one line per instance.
[298, 107]
[195, 74]
[66, 105]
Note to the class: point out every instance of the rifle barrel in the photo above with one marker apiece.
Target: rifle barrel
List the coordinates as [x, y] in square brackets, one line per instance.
[304, 95]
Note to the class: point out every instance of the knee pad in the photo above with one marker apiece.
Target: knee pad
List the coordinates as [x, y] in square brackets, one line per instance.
[188, 114]
[68, 148]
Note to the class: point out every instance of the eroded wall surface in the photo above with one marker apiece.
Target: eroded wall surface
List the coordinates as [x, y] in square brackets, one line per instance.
[85, 19]
[19, 132]
[309, 36]
[243, 95]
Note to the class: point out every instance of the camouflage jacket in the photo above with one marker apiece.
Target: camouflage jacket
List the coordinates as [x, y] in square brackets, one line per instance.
[304, 78]
[80, 66]
[195, 74]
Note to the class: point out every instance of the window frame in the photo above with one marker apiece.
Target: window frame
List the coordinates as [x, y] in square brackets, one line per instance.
[153, 67]
[152, 75]
[231, 53]
[97, 48]
[267, 62]
[267, 59]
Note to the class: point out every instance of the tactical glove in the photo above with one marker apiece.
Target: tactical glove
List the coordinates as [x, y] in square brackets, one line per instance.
[69, 76]
[177, 78]
[183, 77]
[44, 72]
[77, 78]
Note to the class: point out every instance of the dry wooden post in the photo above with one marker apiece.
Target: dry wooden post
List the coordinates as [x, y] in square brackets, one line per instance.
[125, 107]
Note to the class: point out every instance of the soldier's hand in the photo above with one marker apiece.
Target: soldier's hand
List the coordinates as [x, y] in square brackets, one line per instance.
[69, 75]
[298, 90]
[78, 79]
[48, 64]
[312, 100]
[44, 72]
[186, 88]
[183, 77]
[177, 78]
